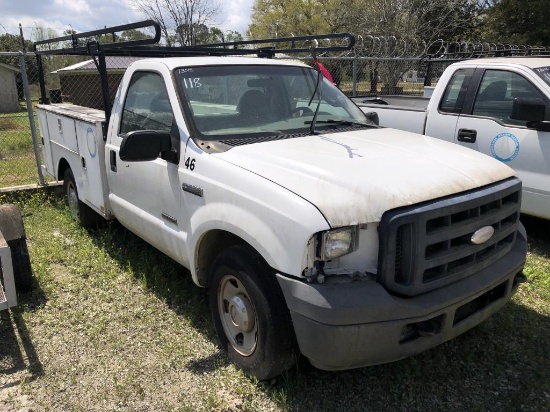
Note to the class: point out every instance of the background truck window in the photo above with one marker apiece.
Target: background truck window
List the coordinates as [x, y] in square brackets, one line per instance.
[497, 92]
[453, 98]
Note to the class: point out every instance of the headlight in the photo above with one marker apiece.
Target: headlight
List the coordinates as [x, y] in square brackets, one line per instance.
[337, 242]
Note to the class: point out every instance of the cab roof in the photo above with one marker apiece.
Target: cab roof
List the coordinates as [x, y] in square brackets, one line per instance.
[530, 62]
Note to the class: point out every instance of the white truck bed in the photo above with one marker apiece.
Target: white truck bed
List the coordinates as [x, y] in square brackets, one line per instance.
[401, 112]
[75, 133]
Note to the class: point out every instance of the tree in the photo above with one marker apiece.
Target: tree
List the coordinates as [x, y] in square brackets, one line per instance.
[283, 18]
[12, 43]
[215, 35]
[133, 34]
[421, 20]
[383, 28]
[519, 22]
[181, 21]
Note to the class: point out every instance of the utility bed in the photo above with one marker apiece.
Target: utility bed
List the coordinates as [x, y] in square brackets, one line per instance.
[76, 134]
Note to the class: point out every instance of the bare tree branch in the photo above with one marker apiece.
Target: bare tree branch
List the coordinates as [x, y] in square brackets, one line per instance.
[181, 21]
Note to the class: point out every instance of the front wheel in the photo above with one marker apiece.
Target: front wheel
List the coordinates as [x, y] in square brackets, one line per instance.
[80, 212]
[250, 314]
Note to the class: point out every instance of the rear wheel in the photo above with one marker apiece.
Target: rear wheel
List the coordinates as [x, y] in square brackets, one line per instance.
[250, 313]
[81, 212]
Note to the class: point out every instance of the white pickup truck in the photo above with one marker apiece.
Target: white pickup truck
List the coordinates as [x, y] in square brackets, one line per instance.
[500, 107]
[315, 231]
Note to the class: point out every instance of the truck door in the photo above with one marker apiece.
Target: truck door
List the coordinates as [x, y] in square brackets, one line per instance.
[489, 128]
[442, 120]
[146, 196]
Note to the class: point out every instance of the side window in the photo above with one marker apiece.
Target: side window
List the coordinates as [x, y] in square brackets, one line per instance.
[147, 106]
[496, 94]
[453, 98]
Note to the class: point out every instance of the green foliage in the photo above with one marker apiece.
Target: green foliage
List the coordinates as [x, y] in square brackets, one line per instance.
[12, 43]
[418, 20]
[133, 34]
[519, 22]
[282, 18]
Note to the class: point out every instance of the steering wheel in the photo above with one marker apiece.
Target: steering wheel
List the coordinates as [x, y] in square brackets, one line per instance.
[301, 111]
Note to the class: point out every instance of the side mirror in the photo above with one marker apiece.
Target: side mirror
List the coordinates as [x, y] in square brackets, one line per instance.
[531, 110]
[528, 109]
[373, 117]
[144, 145]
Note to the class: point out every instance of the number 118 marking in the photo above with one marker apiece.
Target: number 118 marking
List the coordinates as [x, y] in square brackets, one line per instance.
[192, 83]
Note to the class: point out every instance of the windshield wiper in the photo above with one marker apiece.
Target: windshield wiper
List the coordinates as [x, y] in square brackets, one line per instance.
[339, 122]
[318, 90]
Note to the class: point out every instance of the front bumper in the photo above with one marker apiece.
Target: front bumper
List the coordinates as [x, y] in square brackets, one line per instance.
[350, 325]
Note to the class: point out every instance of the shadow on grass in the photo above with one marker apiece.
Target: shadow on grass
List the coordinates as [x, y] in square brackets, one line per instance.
[503, 364]
[538, 234]
[170, 281]
[17, 352]
[500, 365]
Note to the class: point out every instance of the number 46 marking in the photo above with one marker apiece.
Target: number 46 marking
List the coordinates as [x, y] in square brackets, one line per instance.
[190, 164]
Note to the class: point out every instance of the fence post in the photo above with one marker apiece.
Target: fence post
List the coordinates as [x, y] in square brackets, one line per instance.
[354, 92]
[25, 80]
[428, 76]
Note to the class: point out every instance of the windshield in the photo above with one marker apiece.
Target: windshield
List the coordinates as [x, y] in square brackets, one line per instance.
[544, 73]
[229, 102]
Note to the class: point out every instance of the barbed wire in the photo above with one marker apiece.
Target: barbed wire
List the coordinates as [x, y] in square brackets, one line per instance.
[396, 47]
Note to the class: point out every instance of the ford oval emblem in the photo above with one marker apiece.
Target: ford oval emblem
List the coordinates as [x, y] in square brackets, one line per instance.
[482, 235]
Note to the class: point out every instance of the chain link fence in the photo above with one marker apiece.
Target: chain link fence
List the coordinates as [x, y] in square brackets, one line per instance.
[75, 80]
[19, 155]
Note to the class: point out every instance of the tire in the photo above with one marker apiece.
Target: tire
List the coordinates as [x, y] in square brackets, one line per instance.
[22, 271]
[250, 314]
[80, 212]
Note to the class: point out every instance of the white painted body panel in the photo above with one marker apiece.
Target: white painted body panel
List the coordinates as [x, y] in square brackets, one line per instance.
[74, 133]
[354, 177]
[527, 151]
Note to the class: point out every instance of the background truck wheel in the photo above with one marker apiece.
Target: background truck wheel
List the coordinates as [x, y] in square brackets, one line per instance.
[250, 314]
[11, 226]
[81, 212]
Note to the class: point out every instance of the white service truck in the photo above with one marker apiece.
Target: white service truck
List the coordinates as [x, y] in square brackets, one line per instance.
[498, 106]
[314, 230]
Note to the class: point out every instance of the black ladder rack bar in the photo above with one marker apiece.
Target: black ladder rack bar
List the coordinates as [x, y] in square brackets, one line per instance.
[85, 50]
[146, 48]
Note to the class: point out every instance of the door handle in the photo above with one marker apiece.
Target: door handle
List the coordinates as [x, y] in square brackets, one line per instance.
[467, 135]
[112, 160]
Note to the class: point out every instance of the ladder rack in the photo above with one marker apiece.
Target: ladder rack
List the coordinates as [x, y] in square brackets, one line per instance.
[87, 44]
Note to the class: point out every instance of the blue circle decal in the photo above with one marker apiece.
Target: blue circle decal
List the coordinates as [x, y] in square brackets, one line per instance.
[505, 147]
[91, 142]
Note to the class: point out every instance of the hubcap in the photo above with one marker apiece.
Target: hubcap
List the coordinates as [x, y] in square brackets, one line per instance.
[237, 315]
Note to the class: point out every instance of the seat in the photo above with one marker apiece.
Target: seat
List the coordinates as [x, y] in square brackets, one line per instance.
[252, 105]
[495, 91]
[160, 116]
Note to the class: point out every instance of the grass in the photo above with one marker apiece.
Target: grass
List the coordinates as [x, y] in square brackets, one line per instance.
[364, 87]
[114, 325]
[17, 162]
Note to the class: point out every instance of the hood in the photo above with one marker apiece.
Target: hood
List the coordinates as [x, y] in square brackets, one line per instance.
[354, 177]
